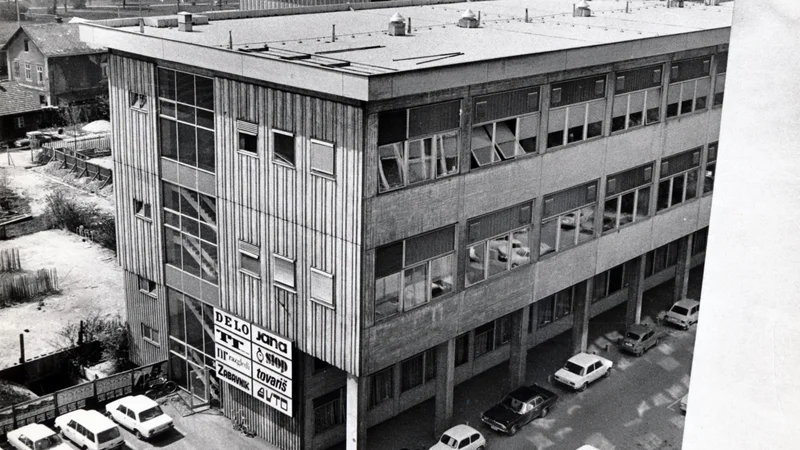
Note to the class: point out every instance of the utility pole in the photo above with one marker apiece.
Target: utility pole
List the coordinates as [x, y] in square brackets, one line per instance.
[16, 3]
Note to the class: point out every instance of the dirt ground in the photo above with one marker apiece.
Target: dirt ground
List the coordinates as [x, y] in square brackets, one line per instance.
[90, 281]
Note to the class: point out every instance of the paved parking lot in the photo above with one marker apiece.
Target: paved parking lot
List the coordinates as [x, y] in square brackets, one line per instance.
[635, 408]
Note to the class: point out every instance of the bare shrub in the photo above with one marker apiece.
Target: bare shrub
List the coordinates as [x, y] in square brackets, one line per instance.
[110, 332]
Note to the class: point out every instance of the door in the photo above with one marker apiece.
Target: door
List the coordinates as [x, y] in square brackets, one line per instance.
[198, 384]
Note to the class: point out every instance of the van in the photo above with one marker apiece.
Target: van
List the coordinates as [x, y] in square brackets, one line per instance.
[90, 430]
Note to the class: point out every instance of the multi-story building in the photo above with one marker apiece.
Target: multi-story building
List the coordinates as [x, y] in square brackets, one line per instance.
[327, 218]
[51, 60]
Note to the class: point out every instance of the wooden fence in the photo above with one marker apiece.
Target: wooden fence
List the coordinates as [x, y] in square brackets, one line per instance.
[9, 260]
[81, 167]
[19, 287]
[95, 146]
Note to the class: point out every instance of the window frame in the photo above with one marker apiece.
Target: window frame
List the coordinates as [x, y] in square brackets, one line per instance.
[243, 252]
[28, 72]
[272, 153]
[15, 69]
[329, 276]
[711, 162]
[497, 152]
[151, 289]
[332, 404]
[618, 197]
[684, 175]
[558, 217]
[509, 235]
[39, 74]
[19, 122]
[428, 360]
[320, 171]
[181, 231]
[26, 45]
[553, 303]
[675, 74]
[645, 117]
[289, 287]
[387, 372]
[148, 334]
[142, 209]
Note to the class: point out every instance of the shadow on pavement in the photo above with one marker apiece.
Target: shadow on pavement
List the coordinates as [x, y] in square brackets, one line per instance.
[170, 437]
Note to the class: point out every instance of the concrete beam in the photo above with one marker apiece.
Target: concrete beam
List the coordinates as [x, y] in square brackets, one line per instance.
[683, 267]
[517, 363]
[580, 325]
[635, 274]
[445, 383]
[356, 412]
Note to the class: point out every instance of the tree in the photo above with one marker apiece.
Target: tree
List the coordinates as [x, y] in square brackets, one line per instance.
[111, 334]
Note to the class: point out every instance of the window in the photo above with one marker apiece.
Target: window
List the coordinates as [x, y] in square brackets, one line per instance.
[142, 209]
[627, 197]
[711, 167]
[719, 83]
[411, 272]
[568, 218]
[700, 241]
[191, 334]
[679, 176]
[283, 270]
[283, 147]
[104, 70]
[514, 134]
[322, 287]
[462, 349]
[559, 305]
[16, 69]
[689, 85]
[323, 158]
[661, 258]
[577, 111]
[248, 137]
[637, 99]
[147, 286]
[190, 231]
[249, 259]
[28, 71]
[43, 100]
[186, 106]
[492, 335]
[136, 100]
[381, 386]
[150, 334]
[418, 370]
[609, 282]
[329, 410]
[25, 44]
[19, 122]
[39, 74]
[418, 144]
[498, 242]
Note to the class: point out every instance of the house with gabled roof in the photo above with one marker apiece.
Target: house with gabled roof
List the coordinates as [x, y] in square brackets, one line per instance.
[51, 60]
[20, 111]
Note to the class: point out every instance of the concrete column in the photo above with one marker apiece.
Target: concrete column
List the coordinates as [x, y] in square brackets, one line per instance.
[635, 275]
[517, 362]
[580, 326]
[356, 412]
[445, 383]
[683, 266]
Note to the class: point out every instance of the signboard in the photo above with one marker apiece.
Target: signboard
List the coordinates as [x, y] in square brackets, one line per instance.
[74, 398]
[254, 360]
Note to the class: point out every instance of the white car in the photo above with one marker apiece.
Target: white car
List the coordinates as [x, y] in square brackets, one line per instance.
[587, 447]
[36, 437]
[582, 369]
[461, 437]
[90, 430]
[139, 414]
[683, 313]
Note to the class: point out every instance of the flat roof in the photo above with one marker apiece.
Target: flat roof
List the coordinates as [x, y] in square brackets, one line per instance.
[363, 47]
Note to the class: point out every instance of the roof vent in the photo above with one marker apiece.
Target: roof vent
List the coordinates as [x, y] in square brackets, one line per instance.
[397, 25]
[468, 20]
[581, 10]
[184, 21]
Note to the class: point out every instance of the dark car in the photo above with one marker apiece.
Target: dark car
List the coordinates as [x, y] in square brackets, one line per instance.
[519, 408]
[639, 338]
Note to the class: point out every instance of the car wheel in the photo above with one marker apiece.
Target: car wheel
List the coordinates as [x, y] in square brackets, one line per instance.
[137, 434]
[481, 448]
[583, 386]
[544, 412]
[607, 374]
[513, 430]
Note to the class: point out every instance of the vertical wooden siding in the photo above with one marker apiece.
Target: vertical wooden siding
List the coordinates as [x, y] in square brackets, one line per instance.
[289, 211]
[135, 166]
[276, 428]
[142, 308]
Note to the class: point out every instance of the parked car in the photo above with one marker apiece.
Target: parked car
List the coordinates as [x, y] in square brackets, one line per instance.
[683, 313]
[520, 254]
[582, 369]
[519, 408]
[461, 437]
[90, 430]
[587, 447]
[36, 436]
[139, 414]
[639, 338]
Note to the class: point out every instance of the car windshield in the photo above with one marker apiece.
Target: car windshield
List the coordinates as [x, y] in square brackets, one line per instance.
[448, 441]
[108, 435]
[513, 404]
[151, 413]
[574, 368]
[633, 336]
[51, 441]
[680, 310]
